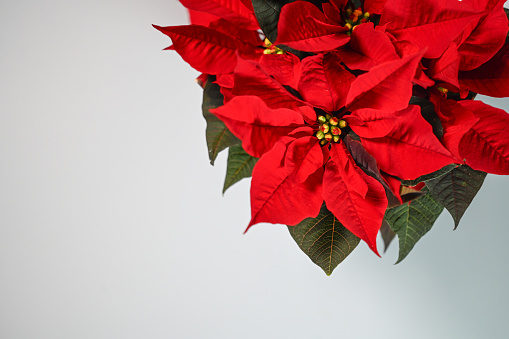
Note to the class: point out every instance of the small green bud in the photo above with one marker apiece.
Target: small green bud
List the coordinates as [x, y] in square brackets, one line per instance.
[322, 119]
[280, 52]
[328, 137]
[320, 135]
[342, 124]
[323, 142]
[336, 138]
[328, 116]
[334, 121]
[324, 128]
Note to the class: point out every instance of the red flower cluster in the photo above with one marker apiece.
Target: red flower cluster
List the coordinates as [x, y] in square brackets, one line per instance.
[335, 106]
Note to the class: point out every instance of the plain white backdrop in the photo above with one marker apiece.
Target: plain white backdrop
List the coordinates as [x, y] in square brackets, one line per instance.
[113, 225]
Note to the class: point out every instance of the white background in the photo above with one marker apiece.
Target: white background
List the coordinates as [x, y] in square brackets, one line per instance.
[113, 225]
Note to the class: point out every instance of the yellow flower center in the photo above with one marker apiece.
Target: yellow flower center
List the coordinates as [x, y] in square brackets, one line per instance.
[270, 48]
[330, 129]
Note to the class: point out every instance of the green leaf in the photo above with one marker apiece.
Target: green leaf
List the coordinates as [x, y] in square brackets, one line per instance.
[444, 170]
[411, 221]
[267, 13]
[387, 234]
[240, 165]
[324, 240]
[456, 190]
[218, 135]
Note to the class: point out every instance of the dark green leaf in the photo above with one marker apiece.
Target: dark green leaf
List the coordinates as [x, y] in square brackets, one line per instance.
[218, 135]
[456, 190]
[444, 170]
[412, 220]
[267, 13]
[240, 165]
[324, 240]
[387, 234]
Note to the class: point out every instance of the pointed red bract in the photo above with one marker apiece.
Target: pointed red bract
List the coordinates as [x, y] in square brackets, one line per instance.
[369, 123]
[387, 86]
[486, 146]
[284, 68]
[276, 197]
[492, 78]
[232, 10]
[303, 26]
[411, 149]
[361, 215]
[324, 82]
[374, 6]
[368, 48]
[456, 121]
[206, 50]
[258, 126]
[446, 68]
[484, 41]
[430, 24]
[201, 18]
[252, 79]
[303, 157]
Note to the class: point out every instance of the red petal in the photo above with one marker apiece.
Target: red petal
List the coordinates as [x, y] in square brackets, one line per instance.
[362, 216]
[252, 79]
[258, 126]
[484, 41]
[374, 6]
[410, 149]
[486, 146]
[232, 10]
[343, 159]
[201, 18]
[204, 49]
[303, 158]
[368, 48]
[430, 24]
[370, 123]
[303, 26]
[251, 37]
[324, 82]
[492, 78]
[277, 197]
[285, 68]
[447, 66]
[387, 86]
[456, 121]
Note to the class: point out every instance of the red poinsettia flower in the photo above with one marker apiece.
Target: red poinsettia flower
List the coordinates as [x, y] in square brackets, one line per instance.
[221, 29]
[457, 36]
[304, 156]
[304, 27]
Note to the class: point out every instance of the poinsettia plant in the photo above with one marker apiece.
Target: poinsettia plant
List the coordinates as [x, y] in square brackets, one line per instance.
[353, 117]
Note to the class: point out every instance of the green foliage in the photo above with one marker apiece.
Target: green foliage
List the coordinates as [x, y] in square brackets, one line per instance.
[267, 13]
[412, 220]
[240, 165]
[324, 240]
[218, 135]
[426, 177]
[456, 190]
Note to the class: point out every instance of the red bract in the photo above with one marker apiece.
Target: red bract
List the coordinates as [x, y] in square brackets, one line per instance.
[264, 115]
[457, 36]
[476, 133]
[213, 49]
[287, 180]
